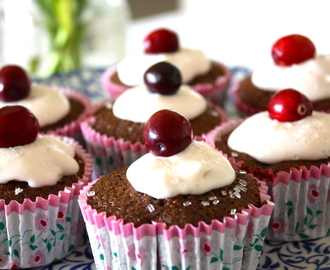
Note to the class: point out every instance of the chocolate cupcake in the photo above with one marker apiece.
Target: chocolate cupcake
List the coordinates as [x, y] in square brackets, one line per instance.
[288, 147]
[184, 201]
[208, 77]
[40, 221]
[114, 133]
[294, 64]
[58, 110]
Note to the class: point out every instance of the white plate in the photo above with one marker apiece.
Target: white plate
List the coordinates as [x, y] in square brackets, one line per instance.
[310, 254]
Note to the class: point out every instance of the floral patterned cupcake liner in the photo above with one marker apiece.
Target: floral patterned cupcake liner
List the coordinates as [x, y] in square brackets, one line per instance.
[232, 244]
[38, 233]
[73, 129]
[215, 92]
[109, 153]
[301, 197]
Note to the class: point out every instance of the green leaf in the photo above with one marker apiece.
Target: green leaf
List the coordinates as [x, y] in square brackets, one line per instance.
[297, 228]
[175, 268]
[290, 212]
[237, 247]
[68, 219]
[318, 212]
[33, 247]
[2, 226]
[264, 232]
[71, 247]
[9, 243]
[32, 238]
[305, 220]
[62, 236]
[16, 253]
[289, 203]
[221, 255]
[313, 226]
[258, 247]
[59, 226]
[49, 247]
[101, 257]
[309, 211]
[115, 254]
[303, 236]
[214, 260]
[328, 232]
[53, 232]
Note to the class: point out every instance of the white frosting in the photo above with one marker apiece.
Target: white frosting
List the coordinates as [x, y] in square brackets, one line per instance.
[191, 63]
[311, 77]
[138, 103]
[47, 104]
[270, 141]
[41, 163]
[197, 169]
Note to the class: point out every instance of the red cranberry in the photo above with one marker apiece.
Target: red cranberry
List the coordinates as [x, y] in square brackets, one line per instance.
[14, 83]
[161, 41]
[18, 126]
[167, 133]
[292, 49]
[163, 78]
[289, 105]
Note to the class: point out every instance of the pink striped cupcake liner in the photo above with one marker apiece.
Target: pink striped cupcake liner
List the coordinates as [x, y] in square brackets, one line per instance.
[39, 233]
[301, 197]
[215, 92]
[232, 244]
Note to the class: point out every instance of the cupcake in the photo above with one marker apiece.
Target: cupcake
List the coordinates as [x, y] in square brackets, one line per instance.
[58, 110]
[294, 64]
[288, 146]
[180, 206]
[41, 177]
[114, 133]
[208, 77]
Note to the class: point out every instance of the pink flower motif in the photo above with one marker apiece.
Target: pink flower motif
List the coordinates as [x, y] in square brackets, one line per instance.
[100, 240]
[140, 256]
[3, 260]
[205, 246]
[278, 225]
[313, 193]
[41, 222]
[185, 248]
[14, 265]
[61, 215]
[37, 259]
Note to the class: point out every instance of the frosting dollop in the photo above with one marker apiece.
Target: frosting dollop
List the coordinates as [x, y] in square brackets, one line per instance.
[311, 77]
[138, 103]
[47, 104]
[197, 169]
[190, 62]
[270, 141]
[41, 163]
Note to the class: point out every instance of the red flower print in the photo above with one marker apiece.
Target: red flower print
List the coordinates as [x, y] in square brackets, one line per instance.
[278, 225]
[313, 193]
[37, 259]
[41, 222]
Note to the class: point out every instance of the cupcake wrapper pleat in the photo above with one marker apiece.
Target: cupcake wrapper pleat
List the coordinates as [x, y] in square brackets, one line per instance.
[38, 233]
[233, 243]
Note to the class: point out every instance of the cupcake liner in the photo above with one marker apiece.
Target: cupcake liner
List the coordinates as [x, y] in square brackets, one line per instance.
[73, 129]
[301, 197]
[109, 153]
[302, 204]
[113, 90]
[215, 91]
[38, 233]
[231, 244]
[243, 109]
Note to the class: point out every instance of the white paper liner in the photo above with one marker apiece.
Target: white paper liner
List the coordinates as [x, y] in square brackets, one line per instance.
[38, 233]
[232, 244]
